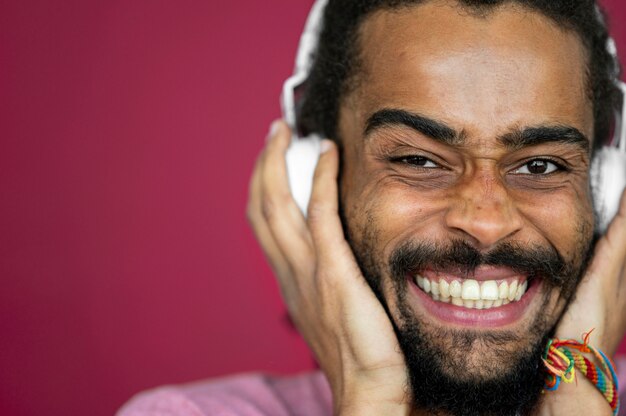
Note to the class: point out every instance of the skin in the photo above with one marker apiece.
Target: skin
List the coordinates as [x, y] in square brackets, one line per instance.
[467, 72]
[485, 77]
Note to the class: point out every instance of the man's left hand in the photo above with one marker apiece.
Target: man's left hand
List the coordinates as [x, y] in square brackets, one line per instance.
[599, 305]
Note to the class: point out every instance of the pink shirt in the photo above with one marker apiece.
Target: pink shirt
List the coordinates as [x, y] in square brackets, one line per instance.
[257, 395]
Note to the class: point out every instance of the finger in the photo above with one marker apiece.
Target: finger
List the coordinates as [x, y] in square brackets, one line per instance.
[610, 252]
[280, 211]
[616, 243]
[260, 227]
[616, 233]
[323, 214]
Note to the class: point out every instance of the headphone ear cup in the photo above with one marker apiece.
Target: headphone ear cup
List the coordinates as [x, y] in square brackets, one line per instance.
[608, 175]
[301, 159]
[303, 153]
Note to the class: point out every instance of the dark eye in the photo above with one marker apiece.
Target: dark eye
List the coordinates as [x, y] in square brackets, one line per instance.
[538, 167]
[419, 161]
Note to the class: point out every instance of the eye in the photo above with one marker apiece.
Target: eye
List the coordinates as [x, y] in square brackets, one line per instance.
[538, 167]
[417, 161]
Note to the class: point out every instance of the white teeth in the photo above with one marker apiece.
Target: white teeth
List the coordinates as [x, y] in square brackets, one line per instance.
[420, 281]
[471, 293]
[444, 288]
[489, 290]
[512, 290]
[455, 289]
[521, 289]
[503, 290]
[457, 301]
[434, 287]
[471, 290]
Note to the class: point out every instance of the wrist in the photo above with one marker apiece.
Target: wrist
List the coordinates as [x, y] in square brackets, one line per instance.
[580, 379]
[377, 390]
[369, 406]
[365, 399]
[578, 398]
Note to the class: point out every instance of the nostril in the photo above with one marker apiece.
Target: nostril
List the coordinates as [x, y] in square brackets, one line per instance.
[484, 228]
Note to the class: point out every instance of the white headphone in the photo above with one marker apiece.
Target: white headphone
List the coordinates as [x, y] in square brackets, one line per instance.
[608, 169]
[303, 152]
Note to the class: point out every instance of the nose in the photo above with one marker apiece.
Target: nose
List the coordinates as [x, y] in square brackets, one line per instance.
[482, 210]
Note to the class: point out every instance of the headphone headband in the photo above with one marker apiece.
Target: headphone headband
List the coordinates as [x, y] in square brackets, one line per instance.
[304, 61]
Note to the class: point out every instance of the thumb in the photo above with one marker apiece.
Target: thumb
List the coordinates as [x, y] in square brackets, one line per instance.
[610, 253]
[323, 215]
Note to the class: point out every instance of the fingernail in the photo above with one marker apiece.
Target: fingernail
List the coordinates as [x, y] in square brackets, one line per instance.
[273, 128]
[325, 145]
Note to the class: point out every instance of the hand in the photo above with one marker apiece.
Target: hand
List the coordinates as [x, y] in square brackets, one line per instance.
[327, 297]
[600, 304]
[600, 301]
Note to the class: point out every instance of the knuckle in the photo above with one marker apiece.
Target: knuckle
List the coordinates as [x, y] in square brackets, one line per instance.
[271, 204]
[316, 212]
[268, 207]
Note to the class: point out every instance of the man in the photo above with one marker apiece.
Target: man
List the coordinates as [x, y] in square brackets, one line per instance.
[456, 236]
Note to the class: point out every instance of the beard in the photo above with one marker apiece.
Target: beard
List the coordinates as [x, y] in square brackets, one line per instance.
[468, 372]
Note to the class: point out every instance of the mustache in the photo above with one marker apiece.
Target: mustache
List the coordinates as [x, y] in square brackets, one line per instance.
[458, 255]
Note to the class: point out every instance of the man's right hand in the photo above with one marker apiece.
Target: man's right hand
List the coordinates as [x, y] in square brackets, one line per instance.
[326, 295]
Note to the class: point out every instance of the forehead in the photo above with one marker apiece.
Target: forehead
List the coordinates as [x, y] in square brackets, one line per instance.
[507, 67]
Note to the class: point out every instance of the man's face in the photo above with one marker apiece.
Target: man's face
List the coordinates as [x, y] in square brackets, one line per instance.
[466, 163]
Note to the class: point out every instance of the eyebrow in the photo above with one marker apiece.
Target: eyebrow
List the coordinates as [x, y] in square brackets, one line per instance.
[441, 132]
[433, 129]
[533, 136]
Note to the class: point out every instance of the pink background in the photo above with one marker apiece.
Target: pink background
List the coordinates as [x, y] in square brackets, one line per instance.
[128, 133]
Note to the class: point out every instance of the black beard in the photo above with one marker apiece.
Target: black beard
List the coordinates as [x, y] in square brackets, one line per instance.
[438, 359]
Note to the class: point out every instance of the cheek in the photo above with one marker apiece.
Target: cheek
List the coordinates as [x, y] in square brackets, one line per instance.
[564, 219]
[395, 211]
[398, 212]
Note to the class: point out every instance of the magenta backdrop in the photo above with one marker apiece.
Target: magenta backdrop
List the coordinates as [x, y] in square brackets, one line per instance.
[128, 133]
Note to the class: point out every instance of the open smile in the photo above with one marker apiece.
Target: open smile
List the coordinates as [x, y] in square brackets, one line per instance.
[491, 296]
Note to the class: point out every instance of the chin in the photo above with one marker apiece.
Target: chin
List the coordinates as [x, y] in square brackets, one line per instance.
[473, 326]
[468, 361]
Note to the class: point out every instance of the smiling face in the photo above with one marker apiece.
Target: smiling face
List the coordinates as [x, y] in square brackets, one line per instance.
[465, 188]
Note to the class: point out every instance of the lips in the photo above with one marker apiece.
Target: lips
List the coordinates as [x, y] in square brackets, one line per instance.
[491, 296]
